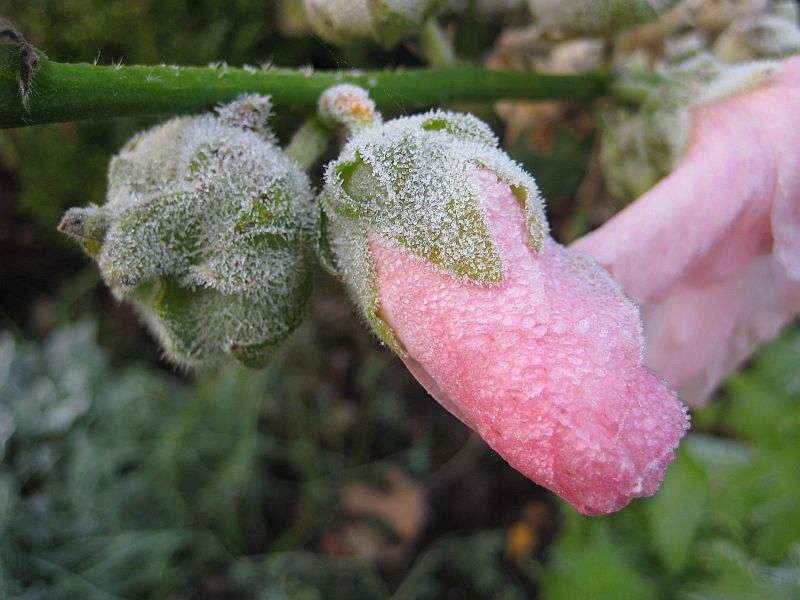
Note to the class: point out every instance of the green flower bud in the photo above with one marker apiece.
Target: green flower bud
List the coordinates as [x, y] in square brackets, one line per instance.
[205, 230]
[411, 180]
[384, 22]
[598, 16]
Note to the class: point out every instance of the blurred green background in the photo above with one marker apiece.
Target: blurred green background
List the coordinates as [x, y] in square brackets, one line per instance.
[330, 474]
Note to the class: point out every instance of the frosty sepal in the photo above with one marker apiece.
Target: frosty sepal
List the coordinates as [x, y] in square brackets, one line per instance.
[640, 146]
[384, 22]
[598, 16]
[412, 181]
[206, 229]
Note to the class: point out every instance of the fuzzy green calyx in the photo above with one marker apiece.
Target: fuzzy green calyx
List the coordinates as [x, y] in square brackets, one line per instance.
[206, 231]
[411, 181]
[384, 22]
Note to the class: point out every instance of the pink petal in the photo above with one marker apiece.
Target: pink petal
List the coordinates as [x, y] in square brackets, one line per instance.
[712, 253]
[545, 366]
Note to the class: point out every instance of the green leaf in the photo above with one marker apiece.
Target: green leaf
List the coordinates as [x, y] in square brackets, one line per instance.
[676, 511]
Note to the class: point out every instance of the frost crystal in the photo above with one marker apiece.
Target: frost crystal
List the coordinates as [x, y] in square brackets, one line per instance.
[205, 230]
[410, 181]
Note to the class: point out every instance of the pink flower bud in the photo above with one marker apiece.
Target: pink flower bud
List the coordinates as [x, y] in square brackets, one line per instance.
[712, 252]
[545, 366]
[443, 244]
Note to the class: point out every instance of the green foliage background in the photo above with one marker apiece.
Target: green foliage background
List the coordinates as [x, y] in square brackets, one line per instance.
[122, 479]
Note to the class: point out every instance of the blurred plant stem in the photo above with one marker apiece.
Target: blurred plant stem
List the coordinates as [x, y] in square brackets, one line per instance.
[74, 92]
[309, 142]
[436, 46]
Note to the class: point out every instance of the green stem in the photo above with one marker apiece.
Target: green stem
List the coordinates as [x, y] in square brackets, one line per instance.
[436, 47]
[74, 92]
[309, 142]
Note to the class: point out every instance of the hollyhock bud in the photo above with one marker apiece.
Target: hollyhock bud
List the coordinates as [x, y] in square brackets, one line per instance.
[205, 230]
[443, 244]
[712, 252]
[383, 22]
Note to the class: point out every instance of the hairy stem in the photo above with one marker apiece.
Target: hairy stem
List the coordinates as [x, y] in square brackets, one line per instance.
[73, 92]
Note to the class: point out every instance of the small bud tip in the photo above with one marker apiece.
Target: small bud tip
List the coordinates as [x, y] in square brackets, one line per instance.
[348, 105]
[72, 223]
[85, 223]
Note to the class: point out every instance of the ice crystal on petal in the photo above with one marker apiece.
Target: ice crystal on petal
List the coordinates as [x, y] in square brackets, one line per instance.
[205, 230]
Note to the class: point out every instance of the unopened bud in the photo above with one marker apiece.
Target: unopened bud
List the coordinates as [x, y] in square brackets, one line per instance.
[442, 241]
[205, 230]
[409, 181]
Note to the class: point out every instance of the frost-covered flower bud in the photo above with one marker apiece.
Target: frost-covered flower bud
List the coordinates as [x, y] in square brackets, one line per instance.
[442, 241]
[384, 22]
[597, 16]
[205, 230]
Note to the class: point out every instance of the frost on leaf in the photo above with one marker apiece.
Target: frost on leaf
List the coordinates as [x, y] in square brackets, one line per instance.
[412, 181]
[205, 230]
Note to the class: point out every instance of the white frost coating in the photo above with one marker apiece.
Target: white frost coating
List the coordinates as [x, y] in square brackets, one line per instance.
[207, 222]
[381, 21]
[412, 181]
